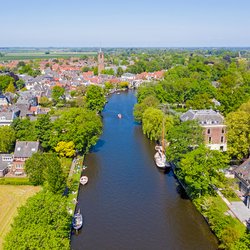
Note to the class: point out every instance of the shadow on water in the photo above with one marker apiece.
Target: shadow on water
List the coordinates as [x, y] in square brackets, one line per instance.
[180, 190]
[100, 143]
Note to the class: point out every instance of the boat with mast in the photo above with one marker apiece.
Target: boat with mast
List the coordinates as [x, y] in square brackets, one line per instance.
[160, 157]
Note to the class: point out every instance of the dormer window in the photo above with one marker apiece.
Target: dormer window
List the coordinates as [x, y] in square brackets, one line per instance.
[33, 149]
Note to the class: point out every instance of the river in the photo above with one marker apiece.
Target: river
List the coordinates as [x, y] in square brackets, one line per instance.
[128, 203]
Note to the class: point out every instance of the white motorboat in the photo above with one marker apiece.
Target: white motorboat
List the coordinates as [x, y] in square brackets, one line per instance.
[84, 180]
[119, 116]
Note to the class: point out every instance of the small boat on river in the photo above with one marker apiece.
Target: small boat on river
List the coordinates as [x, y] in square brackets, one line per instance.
[119, 116]
[84, 180]
[77, 220]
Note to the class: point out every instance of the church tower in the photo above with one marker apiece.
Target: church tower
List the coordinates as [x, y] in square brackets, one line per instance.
[100, 62]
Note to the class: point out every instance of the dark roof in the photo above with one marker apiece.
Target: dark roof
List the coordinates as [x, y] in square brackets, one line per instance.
[205, 116]
[25, 149]
[244, 170]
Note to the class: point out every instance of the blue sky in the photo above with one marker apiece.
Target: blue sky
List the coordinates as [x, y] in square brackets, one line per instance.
[90, 23]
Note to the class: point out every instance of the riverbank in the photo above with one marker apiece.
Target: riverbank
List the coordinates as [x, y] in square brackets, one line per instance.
[129, 204]
[74, 183]
[223, 220]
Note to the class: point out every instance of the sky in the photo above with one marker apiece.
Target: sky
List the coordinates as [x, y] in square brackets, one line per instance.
[130, 23]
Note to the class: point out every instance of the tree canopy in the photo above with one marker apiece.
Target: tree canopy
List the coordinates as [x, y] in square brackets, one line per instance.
[95, 99]
[43, 222]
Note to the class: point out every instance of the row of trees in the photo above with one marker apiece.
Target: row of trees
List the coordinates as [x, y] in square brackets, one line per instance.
[198, 168]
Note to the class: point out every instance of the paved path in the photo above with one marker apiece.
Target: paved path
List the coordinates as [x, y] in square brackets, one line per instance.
[238, 208]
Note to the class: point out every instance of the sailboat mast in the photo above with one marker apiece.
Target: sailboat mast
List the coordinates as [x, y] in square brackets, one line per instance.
[163, 135]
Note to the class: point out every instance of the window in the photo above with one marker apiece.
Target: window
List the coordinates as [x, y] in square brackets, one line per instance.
[223, 130]
[209, 139]
[221, 139]
[221, 148]
[208, 130]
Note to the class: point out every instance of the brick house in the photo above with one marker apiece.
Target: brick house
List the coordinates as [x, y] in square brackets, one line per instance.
[213, 126]
[23, 151]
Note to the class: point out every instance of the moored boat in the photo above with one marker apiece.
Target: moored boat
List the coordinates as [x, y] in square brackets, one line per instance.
[77, 220]
[84, 180]
[160, 157]
[119, 116]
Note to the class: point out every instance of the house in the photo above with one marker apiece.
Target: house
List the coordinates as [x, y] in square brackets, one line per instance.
[23, 151]
[213, 124]
[5, 163]
[4, 102]
[242, 173]
[7, 117]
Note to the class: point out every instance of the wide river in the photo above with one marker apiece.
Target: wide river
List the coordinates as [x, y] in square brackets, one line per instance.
[128, 203]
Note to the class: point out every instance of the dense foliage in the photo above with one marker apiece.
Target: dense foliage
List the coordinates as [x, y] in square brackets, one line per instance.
[81, 126]
[45, 168]
[95, 99]
[7, 139]
[43, 223]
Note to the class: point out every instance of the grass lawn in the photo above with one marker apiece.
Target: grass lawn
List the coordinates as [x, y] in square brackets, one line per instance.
[12, 197]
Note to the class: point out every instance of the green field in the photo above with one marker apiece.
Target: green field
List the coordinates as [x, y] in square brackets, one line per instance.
[30, 55]
[12, 197]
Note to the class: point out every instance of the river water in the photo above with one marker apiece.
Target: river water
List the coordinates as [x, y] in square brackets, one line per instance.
[128, 203]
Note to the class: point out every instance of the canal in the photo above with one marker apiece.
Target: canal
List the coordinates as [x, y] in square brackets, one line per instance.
[128, 203]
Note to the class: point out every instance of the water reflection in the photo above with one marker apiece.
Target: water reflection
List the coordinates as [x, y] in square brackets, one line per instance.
[128, 203]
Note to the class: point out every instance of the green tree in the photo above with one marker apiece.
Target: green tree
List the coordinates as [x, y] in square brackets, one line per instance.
[45, 168]
[54, 177]
[238, 133]
[57, 93]
[82, 126]
[25, 129]
[183, 138]
[95, 71]
[47, 216]
[139, 108]
[44, 101]
[20, 84]
[119, 71]
[43, 128]
[199, 169]
[7, 139]
[95, 99]
[123, 85]
[152, 123]
[35, 167]
[5, 81]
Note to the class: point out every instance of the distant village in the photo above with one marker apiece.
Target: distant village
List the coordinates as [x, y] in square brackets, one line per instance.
[65, 73]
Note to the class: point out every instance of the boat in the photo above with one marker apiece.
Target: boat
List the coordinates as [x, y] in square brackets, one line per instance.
[77, 220]
[84, 180]
[119, 116]
[160, 157]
